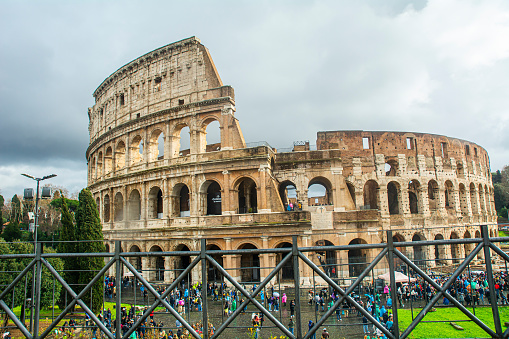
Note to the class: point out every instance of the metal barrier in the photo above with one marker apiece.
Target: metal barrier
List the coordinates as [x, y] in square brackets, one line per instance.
[291, 255]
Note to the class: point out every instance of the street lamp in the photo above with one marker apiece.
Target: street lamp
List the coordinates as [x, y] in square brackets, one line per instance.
[35, 237]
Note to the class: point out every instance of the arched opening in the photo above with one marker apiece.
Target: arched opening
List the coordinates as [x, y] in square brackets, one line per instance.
[468, 247]
[288, 194]
[155, 203]
[439, 251]
[370, 194]
[474, 199]
[106, 214]
[180, 199]
[184, 141]
[391, 168]
[136, 150]
[449, 195]
[157, 264]
[413, 193]
[210, 192]
[247, 196]
[357, 258]
[351, 190]
[119, 207]
[212, 136]
[455, 249]
[393, 197]
[286, 273]
[433, 195]
[100, 165]
[463, 200]
[134, 205]
[419, 252]
[327, 258]
[108, 160]
[182, 262]
[482, 205]
[250, 265]
[93, 169]
[156, 145]
[107, 248]
[135, 261]
[398, 263]
[120, 155]
[319, 192]
[213, 273]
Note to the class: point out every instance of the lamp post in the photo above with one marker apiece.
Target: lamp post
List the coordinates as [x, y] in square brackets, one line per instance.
[35, 242]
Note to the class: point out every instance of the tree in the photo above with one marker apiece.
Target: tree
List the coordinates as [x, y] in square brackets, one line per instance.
[1, 207]
[501, 189]
[15, 209]
[89, 228]
[12, 232]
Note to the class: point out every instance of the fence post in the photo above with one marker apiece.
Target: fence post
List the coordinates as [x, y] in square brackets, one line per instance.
[37, 301]
[491, 283]
[296, 278]
[118, 298]
[394, 296]
[205, 324]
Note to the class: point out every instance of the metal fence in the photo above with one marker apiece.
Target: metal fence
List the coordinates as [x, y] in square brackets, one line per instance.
[118, 262]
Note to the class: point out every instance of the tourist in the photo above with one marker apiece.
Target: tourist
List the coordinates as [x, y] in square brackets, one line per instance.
[325, 334]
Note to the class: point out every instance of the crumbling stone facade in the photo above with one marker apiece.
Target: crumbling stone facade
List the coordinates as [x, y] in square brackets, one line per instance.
[153, 195]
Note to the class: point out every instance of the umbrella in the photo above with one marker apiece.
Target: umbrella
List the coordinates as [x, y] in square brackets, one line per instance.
[276, 294]
[399, 277]
[181, 302]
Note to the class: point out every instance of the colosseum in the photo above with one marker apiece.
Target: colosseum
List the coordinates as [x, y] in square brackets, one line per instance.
[160, 185]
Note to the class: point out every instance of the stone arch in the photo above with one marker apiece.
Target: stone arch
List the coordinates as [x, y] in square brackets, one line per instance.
[391, 167]
[183, 261]
[155, 147]
[134, 205]
[119, 207]
[482, 205]
[370, 193]
[98, 204]
[433, 192]
[398, 237]
[327, 258]
[213, 273]
[181, 200]
[463, 199]
[210, 198]
[155, 203]
[288, 193]
[455, 249]
[351, 190]
[135, 261]
[136, 150]
[120, 155]
[107, 208]
[440, 253]
[286, 273]
[108, 160]
[413, 196]
[247, 195]
[474, 200]
[449, 194]
[320, 192]
[93, 169]
[211, 130]
[468, 247]
[156, 264]
[249, 264]
[184, 141]
[487, 199]
[100, 165]
[393, 197]
[419, 251]
[357, 258]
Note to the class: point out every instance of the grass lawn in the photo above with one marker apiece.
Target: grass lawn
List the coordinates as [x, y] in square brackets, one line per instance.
[503, 234]
[444, 329]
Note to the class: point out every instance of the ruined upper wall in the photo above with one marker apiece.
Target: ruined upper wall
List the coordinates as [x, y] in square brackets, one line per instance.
[364, 144]
[175, 75]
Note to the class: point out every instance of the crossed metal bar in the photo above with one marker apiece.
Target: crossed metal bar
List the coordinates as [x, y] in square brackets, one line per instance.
[293, 254]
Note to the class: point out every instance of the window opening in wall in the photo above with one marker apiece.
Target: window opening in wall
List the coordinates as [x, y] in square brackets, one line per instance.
[409, 143]
[181, 101]
[467, 150]
[213, 136]
[370, 194]
[185, 210]
[319, 192]
[413, 191]
[185, 141]
[247, 196]
[475, 151]
[443, 146]
[122, 101]
[393, 197]
[365, 143]
[214, 199]
[138, 115]
[160, 146]
[390, 168]
[157, 84]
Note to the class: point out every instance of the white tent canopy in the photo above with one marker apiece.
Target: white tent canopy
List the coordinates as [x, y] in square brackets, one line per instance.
[400, 277]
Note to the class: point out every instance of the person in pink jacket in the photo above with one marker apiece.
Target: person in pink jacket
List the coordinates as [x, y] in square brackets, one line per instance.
[283, 299]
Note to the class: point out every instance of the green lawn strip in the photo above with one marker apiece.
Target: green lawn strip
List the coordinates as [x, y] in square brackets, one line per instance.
[450, 314]
[47, 312]
[503, 234]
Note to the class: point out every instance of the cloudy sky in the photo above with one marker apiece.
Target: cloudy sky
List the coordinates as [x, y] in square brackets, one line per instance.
[298, 67]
